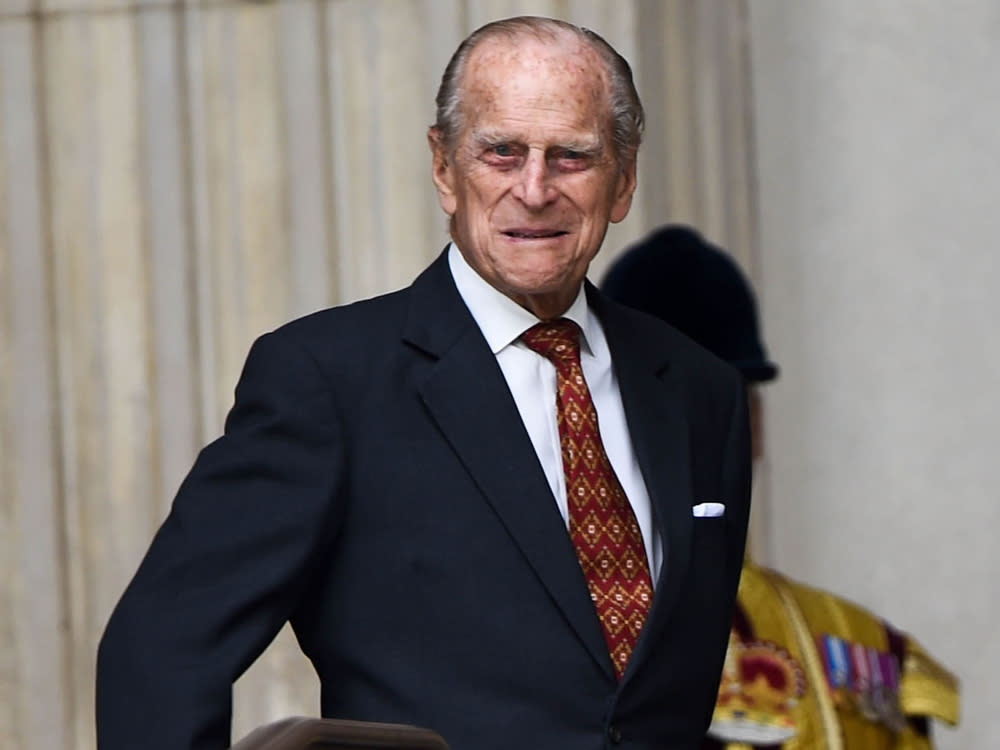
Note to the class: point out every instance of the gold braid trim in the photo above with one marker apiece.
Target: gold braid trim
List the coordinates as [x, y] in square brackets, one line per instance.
[816, 675]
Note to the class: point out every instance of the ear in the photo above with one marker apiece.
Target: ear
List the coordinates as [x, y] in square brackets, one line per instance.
[442, 170]
[624, 190]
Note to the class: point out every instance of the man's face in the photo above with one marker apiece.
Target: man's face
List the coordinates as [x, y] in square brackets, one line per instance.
[532, 181]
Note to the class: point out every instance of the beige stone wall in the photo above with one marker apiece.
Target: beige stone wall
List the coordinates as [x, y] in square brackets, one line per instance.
[176, 178]
[878, 161]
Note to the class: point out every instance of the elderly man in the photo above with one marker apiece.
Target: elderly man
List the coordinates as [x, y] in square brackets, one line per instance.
[494, 503]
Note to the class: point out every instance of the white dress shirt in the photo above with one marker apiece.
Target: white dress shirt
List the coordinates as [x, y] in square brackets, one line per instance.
[532, 382]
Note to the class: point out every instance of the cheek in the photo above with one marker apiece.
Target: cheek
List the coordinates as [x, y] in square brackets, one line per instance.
[488, 189]
[596, 200]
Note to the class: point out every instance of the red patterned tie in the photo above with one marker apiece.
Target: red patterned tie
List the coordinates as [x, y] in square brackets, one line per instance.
[601, 522]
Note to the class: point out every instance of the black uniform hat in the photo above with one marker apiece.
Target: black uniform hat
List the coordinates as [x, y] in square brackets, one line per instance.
[680, 278]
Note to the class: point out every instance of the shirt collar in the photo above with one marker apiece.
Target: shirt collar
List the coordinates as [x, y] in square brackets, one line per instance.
[502, 320]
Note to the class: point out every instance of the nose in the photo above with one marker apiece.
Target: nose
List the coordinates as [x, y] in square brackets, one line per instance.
[534, 188]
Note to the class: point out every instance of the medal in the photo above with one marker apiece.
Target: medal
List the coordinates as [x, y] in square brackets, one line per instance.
[892, 713]
[837, 666]
[863, 697]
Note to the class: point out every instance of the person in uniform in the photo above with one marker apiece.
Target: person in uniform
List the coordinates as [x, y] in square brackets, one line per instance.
[805, 668]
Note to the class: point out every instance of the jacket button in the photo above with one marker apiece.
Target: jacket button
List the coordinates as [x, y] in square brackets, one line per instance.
[614, 734]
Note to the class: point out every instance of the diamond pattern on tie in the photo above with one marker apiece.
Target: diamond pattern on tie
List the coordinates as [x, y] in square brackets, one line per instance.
[601, 522]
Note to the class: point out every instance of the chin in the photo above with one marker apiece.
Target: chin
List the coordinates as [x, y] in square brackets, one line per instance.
[537, 282]
[543, 299]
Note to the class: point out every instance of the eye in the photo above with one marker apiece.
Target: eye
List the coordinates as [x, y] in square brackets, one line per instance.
[502, 154]
[569, 159]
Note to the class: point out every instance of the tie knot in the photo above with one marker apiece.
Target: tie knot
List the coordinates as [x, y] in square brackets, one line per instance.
[557, 339]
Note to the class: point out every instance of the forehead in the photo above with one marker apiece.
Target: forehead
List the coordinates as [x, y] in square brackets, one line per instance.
[562, 78]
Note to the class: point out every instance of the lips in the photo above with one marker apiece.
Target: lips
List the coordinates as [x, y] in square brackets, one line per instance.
[534, 234]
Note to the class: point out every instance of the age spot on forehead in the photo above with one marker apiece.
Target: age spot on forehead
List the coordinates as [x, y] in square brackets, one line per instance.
[579, 69]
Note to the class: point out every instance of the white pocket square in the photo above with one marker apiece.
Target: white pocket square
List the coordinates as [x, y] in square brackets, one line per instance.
[708, 510]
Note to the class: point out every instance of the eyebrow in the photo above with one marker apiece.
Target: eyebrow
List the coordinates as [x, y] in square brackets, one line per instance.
[491, 137]
[589, 147]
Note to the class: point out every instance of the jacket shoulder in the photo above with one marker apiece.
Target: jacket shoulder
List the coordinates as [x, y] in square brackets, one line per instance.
[641, 330]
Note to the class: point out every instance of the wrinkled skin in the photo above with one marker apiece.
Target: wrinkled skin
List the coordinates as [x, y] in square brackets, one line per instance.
[533, 180]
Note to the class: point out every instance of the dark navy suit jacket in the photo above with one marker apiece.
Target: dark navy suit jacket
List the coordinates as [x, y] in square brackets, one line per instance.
[376, 487]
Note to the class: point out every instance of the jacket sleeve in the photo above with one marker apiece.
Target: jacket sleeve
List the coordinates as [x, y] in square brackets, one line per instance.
[227, 567]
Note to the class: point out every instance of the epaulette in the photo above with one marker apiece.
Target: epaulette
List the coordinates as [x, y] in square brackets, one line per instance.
[928, 689]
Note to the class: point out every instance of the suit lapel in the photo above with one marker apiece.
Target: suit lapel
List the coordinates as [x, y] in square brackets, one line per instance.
[658, 425]
[466, 395]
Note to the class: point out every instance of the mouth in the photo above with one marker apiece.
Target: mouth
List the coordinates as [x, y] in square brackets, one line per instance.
[534, 234]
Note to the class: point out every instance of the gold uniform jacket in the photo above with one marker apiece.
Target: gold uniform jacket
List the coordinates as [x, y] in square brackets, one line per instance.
[807, 670]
